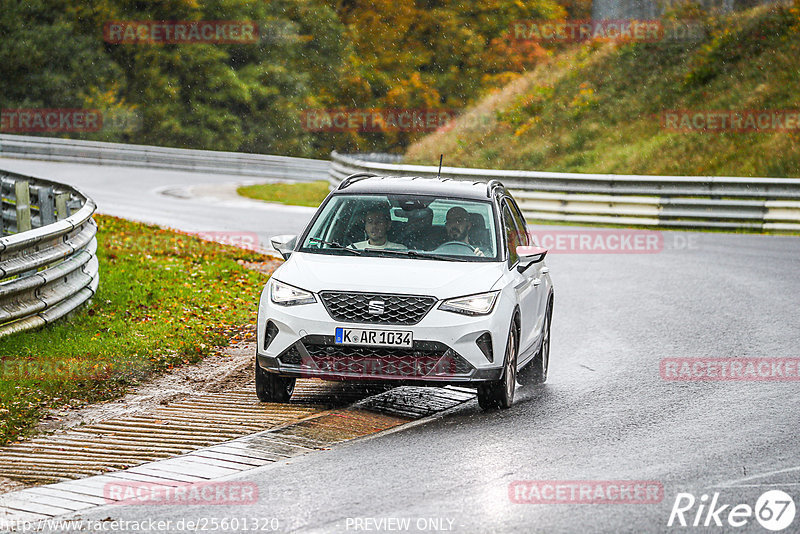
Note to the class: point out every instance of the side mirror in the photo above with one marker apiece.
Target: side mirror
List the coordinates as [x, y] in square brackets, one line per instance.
[284, 244]
[530, 255]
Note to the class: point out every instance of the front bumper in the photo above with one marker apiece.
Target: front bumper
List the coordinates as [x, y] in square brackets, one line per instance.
[444, 351]
[427, 362]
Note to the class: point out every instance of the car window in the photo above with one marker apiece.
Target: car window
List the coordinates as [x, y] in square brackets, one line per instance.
[384, 224]
[522, 227]
[512, 235]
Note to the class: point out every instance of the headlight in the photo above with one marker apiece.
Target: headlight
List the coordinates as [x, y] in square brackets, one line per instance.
[481, 304]
[286, 295]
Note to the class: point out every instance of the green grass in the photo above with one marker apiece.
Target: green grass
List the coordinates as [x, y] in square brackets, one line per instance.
[297, 194]
[596, 108]
[165, 299]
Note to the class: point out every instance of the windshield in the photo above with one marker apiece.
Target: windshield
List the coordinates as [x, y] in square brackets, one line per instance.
[414, 226]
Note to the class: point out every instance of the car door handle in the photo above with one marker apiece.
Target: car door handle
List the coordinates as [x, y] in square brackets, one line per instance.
[545, 270]
[537, 281]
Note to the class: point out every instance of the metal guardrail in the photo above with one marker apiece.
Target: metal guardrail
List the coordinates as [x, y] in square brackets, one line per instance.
[154, 157]
[638, 10]
[48, 262]
[699, 202]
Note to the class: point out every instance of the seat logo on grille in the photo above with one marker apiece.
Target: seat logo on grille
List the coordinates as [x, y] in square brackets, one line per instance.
[376, 307]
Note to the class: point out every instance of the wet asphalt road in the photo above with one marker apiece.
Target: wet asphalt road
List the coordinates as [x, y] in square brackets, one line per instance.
[604, 414]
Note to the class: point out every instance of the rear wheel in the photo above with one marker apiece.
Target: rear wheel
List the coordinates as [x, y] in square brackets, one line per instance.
[536, 371]
[271, 387]
[500, 393]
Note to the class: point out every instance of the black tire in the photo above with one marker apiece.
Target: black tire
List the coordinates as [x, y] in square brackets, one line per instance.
[273, 388]
[536, 371]
[500, 393]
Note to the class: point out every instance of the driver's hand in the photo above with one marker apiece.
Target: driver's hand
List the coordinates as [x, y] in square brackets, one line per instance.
[479, 252]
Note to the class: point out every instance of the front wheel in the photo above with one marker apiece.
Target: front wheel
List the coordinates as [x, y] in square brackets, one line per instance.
[271, 387]
[500, 393]
[536, 371]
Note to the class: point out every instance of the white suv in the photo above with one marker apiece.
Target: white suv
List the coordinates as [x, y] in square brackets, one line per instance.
[410, 280]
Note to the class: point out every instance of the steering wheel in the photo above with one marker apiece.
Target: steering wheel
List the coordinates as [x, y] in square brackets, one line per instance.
[447, 248]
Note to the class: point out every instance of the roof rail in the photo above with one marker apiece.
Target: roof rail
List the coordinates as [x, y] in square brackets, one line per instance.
[492, 185]
[354, 178]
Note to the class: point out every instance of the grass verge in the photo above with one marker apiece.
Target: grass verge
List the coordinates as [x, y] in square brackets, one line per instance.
[297, 194]
[164, 299]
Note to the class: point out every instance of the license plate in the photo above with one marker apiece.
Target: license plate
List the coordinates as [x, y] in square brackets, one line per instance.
[374, 338]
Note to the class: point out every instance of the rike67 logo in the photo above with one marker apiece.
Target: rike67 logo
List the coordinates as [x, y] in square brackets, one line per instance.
[774, 510]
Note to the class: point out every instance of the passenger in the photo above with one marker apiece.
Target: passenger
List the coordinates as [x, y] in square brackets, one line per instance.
[376, 226]
[458, 224]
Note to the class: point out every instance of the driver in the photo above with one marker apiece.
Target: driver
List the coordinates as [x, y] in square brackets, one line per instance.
[376, 226]
[458, 224]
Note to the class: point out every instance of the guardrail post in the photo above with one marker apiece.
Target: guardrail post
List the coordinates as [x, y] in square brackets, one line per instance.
[23, 197]
[62, 210]
[47, 206]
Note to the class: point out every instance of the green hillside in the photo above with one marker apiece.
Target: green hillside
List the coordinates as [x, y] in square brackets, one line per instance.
[598, 107]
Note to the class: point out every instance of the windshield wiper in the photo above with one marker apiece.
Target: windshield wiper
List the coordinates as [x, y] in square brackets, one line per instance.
[416, 254]
[335, 245]
[437, 256]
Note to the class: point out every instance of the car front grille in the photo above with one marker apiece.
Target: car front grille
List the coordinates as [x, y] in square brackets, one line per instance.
[427, 359]
[385, 308]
